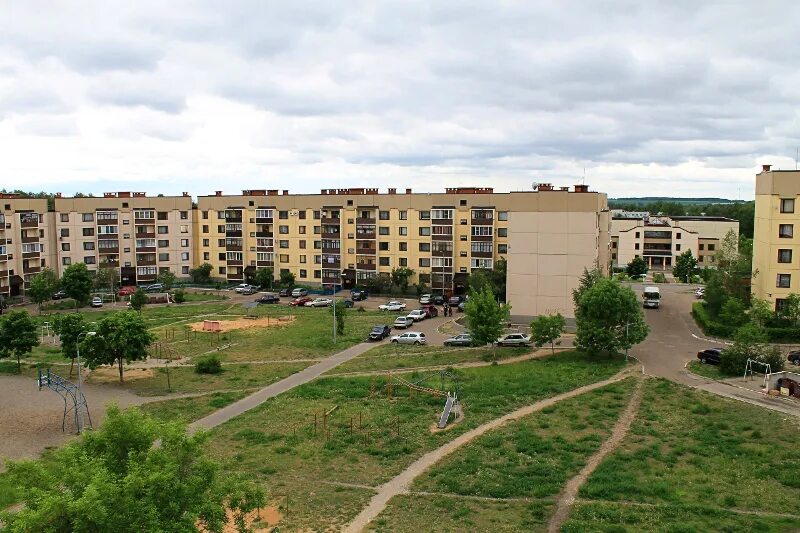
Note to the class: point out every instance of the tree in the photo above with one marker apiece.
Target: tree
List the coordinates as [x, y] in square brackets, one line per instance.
[265, 277]
[42, 287]
[735, 265]
[121, 337]
[287, 279]
[790, 310]
[18, 335]
[131, 474]
[420, 287]
[479, 279]
[68, 326]
[202, 273]
[609, 319]
[341, 313]
[486, 319]
[138, 300]
[546, 329]
[495, 279]
[401, 277]
[733, 312]
[76, 282]
[715, 294]
[750, 342]
[179, 296]
[167, 278]
[760, 312]
[586, 282]
[636, 268]
[685, 266]
[107, 277]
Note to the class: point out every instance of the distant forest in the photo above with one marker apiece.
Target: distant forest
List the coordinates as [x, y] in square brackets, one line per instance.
[744, 212]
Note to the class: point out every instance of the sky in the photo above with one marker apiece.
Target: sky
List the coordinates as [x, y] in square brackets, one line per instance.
[634, 98]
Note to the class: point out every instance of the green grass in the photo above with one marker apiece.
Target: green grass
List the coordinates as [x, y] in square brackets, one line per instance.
[387, 357]
[708, 371]
[687, 447]
[187, 410]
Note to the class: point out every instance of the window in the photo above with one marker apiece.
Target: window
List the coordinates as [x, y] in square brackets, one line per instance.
[184, 243]
[701, 247]
[302, 244]
[206, 256]
[162, 215]
[502, 248]
[481, 231]
[787, 205]
[222, 242]
[88, 217]
[677, 235]
[481, 247]
[88, 245]
[784, 281]
[234, 256]
[383, 246]
[303, 273]
[66, 261]
[184, 256]
[283, 258]
[34, 247]
[283, 244]
[637, 235]
[383, 261]
[263, 213]
[383, 215]
[711, 247]
[64, 217]
[301, 229]
[301, 214]
[677, 247]
[205, 215]
[223, 270]
[636, 246]
[442, 230]
[425, 232]
[480, 263]
[317, 274]
[302, 259]
[502, 215]
[424, 215]
[383, 231]
[442, 214]
[65, 232]
[163, 230]
[780, 304]
[184, 270]
[88, 232]
[90, 260]
[283, 215]
[205, 229]
[442, 262]
[184, 215]
[65, 247]
[317, 230]
[424, 247]
[403, 246]
[502, 232]
[403, 262]
[184, 229]
[784, 256]
[283, 230]
[163, 257]
[163, 244]
[403, 215]
[425, 262]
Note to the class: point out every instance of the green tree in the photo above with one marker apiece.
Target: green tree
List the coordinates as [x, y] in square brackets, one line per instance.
[733, 312]
[121, 337]
[479, 279]
[715, 294]
[341, 313]
[42, 287]
[790, 311]
[138, 300]
[420, 287]
[486, 319]
[107, 277]
[179, 296]
[735, 266]
[265, 277]
[685, 266]
[637, 267]
[202, 273]
[287, 279]
[167, 278]
[68, 326]
[547, 329]
[131, 474]
[401, 276]
[585, 282]
[18, 335]
[77, 282]
[609, 319]
[750, 342]
[760, 312]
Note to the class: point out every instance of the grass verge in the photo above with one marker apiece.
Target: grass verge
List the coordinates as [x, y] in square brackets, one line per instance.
[389, 357]
[707, 371]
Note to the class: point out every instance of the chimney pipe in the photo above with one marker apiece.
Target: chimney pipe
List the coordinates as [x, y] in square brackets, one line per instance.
[765, 168]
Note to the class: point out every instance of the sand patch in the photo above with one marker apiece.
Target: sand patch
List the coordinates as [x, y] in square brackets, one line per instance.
[111, 374]
[259, 521]
[247, 323]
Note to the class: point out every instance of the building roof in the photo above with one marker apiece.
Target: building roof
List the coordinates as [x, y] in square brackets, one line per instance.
[704, 218]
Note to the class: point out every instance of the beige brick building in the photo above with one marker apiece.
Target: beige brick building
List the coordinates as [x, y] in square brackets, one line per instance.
[776, 248]
[26, 234]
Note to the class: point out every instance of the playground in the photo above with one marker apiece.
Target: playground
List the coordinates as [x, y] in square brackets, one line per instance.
[245, 322]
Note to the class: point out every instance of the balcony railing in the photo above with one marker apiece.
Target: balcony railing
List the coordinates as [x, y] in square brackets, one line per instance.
[370, 221]
[331, 220]
[366, 251]
[366, 266]
[369, 235]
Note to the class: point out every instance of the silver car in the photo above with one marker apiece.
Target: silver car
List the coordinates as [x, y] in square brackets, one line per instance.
[409, 337]
[319, 302]
[514, 339]
[403, 322]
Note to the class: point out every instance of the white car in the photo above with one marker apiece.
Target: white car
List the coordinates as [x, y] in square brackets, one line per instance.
[409, 337]
[403, 322]
[393, 305]
[298, 292]
[319, 302]
[417, 315]
[425, 299]
[243, 288]
[700, 293]
[97, 302]
[514, 339]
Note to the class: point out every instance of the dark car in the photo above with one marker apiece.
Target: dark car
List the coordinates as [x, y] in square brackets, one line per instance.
[268, 299]
[155, 287]
[284, 293]
[358, 295]
[379, 333]
[454, 300]
[794, 357]
[461, 306]
[300, 302]
[710, 356]
[60, 295]
[438, 300]
[430, 310]
[464, 339]
[348, 303]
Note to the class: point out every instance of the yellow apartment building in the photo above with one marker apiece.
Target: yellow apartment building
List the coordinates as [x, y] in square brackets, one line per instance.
[26, 230]
[776, 248]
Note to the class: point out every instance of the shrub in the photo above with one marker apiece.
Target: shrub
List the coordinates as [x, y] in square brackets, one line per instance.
[208, 365]
[179, 296]
[733, 312]
[709, 326]
[658, 277]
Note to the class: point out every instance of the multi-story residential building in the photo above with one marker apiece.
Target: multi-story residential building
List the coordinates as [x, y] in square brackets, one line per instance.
[140, 235]
[775, 263]
[26, 229]
[345, 236]
[659, 240]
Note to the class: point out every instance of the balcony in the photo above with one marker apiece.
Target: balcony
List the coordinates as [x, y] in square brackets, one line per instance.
[148, 235]
[146, 263]
[264, 234]
[3, 257]
[234, 233]
[107, 221]
[366, 266]
[235, 276]
[441, 253]
[262, 264]
[264, 220]
[330, 248]
[146, 277]
[331, 235]
[31, 270]
[30, 255]
[481, 254]
[369, 235]
[234, 262]
[334, 221]
[442, 221]
[236, 219]
[114, 250]
[367, 221]
[330, 280]
[233, 247]
[145, 249]
[107, 236]
[448, 237]
[27, 239]
[366, 251]
[482, 222]
[481, 238]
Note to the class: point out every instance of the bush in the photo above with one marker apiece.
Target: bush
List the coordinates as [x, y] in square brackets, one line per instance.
[208, 365]
[709, 326]
[658, 277]
[179, 296]
[733, 312]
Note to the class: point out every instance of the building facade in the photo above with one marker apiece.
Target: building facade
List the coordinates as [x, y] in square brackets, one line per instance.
[659, 240]
[776, 249]
[140, 235]
[26, 235]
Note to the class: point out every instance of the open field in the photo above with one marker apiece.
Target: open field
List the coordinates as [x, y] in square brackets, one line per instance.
[187, 410]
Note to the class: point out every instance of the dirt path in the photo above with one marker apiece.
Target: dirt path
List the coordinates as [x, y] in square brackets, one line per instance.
[401, 483]
[567, 496]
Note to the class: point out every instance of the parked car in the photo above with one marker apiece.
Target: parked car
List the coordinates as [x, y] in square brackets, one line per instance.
[461, 306]
[300, 302]
[97, 302]
[268, 299]
[319, 302]
[454, 300]
[154, 287]
[514, 339]
[348, 303]
[464, 339]
[700, 293]
[126, 291]
[794, 357]
[409, 337]
[392, 305]
[299, 291]
[60, 295]
[285, 293]
[241, 287]
[250, 289]
[430, 311]
[403, 322]
[358, 295]
[710, 356]
[417, 315]
[438, 300]
[379, 333]
[425, 299]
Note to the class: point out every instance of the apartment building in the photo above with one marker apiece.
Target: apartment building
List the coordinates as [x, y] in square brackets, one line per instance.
[140, 235]
[345, 236]
[659, 240]
[774, 241]
[26, 229]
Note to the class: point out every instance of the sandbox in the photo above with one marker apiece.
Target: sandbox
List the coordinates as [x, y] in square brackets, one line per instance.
[242, 323]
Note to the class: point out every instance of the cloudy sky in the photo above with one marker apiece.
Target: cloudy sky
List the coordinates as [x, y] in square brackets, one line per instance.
[680, 98]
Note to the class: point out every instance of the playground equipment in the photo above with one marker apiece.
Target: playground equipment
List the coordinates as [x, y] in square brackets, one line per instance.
[451, 398]
[748, 369]
[74, 400]
[48, 335]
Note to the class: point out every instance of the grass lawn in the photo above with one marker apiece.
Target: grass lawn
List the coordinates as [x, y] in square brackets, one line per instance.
[392, 356]
[708, 371]
[187, 410]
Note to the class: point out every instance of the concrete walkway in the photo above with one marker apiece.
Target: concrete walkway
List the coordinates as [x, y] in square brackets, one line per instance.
[257, 398]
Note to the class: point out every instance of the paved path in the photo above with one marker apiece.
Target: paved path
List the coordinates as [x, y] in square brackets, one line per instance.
[401, 483]
[257, 398]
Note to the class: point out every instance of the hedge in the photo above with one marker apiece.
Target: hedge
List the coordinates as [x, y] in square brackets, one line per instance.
[714, 329]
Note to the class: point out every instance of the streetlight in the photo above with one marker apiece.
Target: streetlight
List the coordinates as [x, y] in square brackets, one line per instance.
[80, 391]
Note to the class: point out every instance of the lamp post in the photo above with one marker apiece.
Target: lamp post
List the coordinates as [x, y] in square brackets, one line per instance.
[80, 390]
